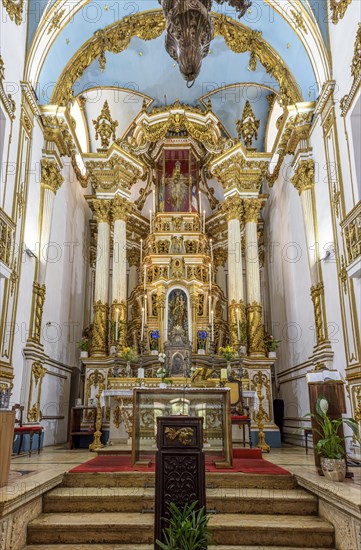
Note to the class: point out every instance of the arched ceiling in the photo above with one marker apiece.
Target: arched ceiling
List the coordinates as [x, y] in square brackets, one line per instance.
[290, 37]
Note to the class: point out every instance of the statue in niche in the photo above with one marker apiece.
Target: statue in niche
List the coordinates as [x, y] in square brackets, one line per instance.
[178, 189]
[177, 310]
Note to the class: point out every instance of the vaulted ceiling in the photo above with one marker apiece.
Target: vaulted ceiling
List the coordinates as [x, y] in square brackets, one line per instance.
[293, 37]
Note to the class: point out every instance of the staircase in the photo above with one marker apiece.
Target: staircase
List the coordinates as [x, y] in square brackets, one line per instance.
[96, 511]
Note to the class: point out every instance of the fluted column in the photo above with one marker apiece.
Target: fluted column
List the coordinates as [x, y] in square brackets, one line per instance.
[120, 210]
[51, 180]
[304, 181]
[251, 209]
[233, 209]
[101, 291]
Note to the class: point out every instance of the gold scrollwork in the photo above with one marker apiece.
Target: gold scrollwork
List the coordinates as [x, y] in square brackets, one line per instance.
[184, 435]
[338, 9]
[100, 333]
[14, 9]
[38, 301]
[51, 177]
[304, 177]
[317, 293]
[248, 126]
[38, 372]
[105, 126]
[255, 329]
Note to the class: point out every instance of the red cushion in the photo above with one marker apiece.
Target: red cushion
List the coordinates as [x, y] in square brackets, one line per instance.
[28, 429]
[240, 418]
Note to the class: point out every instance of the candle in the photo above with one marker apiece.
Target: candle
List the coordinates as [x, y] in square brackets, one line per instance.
[142, 330]
[141, 251]
[150, 220]
[212, 325]
[210, 277]
[116, 324]
[209, 307]
[200, 202]
[145, 309]
[204, 221]
[145, 277]
[154, 200]
[140, 373]
[238, 329]
[224, 375]
[211, 247]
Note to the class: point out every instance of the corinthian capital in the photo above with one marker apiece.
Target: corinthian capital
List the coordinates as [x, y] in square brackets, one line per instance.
[233, 208]
[102, 210]
[220, 257]
[121, 208]
[251, 208]
[304, 177]
[51, 177]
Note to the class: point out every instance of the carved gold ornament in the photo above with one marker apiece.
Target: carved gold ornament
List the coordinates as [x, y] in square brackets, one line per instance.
[51, 177]
[7, 99]
[102, 210]
[148, 26]
[252, 208]
[299, 21]
[220, 256]
[105, 126]
[38, 372]
[317, 293]
[248, 126]
[347, 100]
[7, 233]
[304, 177]
[343, 274]
[37, 312]
[236, 172]
[121, 208]
[351, 226]
[55, 20]
[133, 257]
[14, 9]
[255, 329]
[100, 329]
[338, 9]
[184, 435]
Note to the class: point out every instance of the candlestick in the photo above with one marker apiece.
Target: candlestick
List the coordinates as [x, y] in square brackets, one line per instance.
[199, 202]
[145, 277]
[142, 329]
[141, 251]
[212, 325]
[141, 373]
[204, 221]
[238, 329]
[116, 324]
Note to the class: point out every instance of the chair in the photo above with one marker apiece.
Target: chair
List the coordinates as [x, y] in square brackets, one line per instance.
[239, 412]
[30, 429]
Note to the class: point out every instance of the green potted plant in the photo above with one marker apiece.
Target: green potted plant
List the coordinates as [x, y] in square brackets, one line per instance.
[202, 336]
[187, 529]
[228, 353]
[330, 446]
[271, 345]
[84, 346]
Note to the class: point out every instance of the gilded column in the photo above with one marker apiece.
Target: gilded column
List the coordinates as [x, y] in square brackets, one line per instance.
[220, 258]
[120, 210]
[160, 309]
[100, 332]
[304, 180]
[133, 258]
[51, 180]
[252, 208]
[233, 209]
[194, 305]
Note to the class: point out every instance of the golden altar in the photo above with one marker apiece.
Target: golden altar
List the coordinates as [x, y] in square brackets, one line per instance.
[212, 404]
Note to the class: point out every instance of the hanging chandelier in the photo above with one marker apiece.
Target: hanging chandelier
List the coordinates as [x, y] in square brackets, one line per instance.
[189, 31]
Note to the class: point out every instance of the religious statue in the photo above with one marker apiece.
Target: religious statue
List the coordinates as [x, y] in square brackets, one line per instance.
[177, 308]
[178, 187]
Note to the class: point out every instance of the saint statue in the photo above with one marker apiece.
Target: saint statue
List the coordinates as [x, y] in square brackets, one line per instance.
[178, 187]
[177, 309]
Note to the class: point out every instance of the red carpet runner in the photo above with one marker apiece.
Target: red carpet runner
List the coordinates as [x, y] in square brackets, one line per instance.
[247, 461]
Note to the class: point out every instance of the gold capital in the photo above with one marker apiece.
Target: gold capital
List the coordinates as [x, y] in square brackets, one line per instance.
[133, 257]
[102, 210]
[252, 209]
[304, 177]
[220, 256]
[51, 177]
[121, 208]
[232, 207]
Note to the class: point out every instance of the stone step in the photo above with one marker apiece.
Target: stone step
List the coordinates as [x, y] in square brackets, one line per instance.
[151, 547]
[228, 529]
[147, 479]
[139, 499]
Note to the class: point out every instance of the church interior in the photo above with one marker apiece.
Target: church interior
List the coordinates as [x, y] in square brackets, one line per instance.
[180, 273]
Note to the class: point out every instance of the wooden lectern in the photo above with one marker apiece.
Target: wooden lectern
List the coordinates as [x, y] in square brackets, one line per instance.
[334, 392]
[180, 468]
[7, 422]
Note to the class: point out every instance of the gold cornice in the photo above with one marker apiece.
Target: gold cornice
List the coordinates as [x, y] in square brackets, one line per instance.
[14, 9]
[149, 25]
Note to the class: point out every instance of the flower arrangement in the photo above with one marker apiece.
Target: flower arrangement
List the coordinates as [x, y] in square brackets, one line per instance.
[271, 344]
[161, 373]
[161, 357]
[228, 353]
[202, 339]
[155, 335]
[84, 344]
[129, 354]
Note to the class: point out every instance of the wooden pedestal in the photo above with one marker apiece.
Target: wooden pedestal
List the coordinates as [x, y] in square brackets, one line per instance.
[335, 395]
[7, 422]
[180, 468]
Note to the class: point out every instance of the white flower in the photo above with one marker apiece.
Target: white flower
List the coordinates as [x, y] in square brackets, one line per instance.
[324, 405]
[161, 357]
